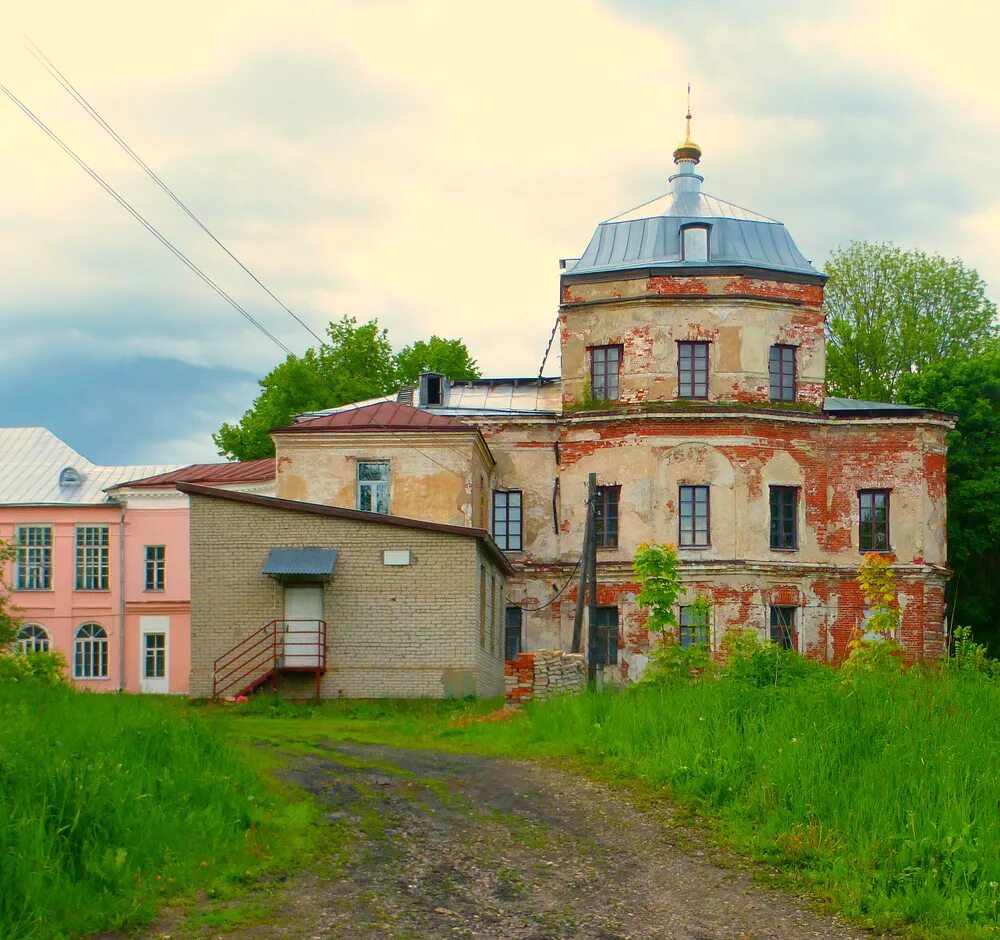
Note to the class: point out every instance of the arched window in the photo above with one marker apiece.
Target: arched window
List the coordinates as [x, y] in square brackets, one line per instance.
[90, 652]
[32, 638]
[70, 476]
[694, 243]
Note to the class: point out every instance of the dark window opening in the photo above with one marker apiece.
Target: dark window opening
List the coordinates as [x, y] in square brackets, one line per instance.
[507, 519]
[605, 368]
[695, 517]
[606, 516]
[513, 632]
[874, 520]
[692, 370]
[784, 528]
[781, 367]
[693, 627]
[783, 627]
[434, 396]
[603, 640]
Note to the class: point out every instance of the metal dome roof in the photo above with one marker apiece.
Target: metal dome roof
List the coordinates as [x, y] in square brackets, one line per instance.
[649, 236]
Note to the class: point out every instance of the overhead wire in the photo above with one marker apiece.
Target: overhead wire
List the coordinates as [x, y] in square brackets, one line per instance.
[125, 204]
[54, 71]
[35, 50]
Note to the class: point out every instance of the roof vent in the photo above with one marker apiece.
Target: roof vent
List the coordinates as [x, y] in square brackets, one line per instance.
[70, 476]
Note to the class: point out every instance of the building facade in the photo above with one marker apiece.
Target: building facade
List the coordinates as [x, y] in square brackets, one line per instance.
[102, 570]
[318, 600]
[692, 383]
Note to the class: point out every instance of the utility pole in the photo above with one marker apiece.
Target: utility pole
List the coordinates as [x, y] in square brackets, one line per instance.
[587, 555]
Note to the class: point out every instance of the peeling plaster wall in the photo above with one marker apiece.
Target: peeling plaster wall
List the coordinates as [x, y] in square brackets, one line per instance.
[739, 456]
[740, 318]
[437, 476]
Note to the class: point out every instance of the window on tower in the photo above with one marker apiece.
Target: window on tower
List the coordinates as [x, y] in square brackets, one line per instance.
[605, 367]
[694, 243]
[692, 370]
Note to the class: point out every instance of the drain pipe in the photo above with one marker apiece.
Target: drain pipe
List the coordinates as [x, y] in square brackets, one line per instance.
[121, 500]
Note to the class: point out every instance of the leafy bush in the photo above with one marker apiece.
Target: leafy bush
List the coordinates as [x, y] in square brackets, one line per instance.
[46, 668]
[759, 663]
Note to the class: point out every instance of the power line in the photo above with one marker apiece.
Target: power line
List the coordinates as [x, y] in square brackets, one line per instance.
[68, 86]
[111, 191]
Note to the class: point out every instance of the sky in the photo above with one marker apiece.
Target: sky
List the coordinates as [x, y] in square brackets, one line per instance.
[427, 163]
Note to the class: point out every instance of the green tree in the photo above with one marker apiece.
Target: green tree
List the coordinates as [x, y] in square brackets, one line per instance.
[970, 388]
[357, 363]
[892, 312]
[447, 356]
[8, 622]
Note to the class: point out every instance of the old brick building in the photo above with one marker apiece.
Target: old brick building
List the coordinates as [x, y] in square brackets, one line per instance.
[691, 334]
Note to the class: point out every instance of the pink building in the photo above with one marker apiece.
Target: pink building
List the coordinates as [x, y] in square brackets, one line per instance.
[102, 570]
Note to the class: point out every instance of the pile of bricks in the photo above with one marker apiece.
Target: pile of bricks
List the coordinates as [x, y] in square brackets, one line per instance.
[541, 674]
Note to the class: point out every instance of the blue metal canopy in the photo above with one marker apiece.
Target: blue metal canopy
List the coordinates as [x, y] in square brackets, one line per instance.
[291, 562]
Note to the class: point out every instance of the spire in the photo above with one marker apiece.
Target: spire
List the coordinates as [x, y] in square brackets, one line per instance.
[686, 156]
[687, 149]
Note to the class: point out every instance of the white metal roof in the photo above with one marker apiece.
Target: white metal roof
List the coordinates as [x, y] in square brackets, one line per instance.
[32, 459]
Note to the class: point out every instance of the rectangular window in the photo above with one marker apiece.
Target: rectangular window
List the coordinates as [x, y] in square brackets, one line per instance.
[606, 516]
[693, 627]
[507, 519]
[784, 528]
[156, 567]
[34, 558]
[605, 368]
[155, 656]
[513, 632]
[783, 627]
[695, 243]
[781, 366]
[373, 486]
[695, 517]
[874, 518]
[692, 370]
[93, 554]
[604, 637]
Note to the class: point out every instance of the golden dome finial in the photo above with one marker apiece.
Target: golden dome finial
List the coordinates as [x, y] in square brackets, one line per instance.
[687, 149]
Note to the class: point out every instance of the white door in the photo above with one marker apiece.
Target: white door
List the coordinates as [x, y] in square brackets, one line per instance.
[154, 649]
[303, 616]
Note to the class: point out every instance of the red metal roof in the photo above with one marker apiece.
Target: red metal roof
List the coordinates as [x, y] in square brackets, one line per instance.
[247, 471]
[386, 415]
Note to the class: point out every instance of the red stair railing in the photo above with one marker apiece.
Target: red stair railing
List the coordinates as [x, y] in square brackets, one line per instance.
[273, 649]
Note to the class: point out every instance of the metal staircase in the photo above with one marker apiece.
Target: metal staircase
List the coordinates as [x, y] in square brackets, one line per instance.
[279, 648]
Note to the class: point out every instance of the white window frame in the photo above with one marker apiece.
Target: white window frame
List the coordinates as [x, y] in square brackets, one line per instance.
[90, 651]
[34, 558]
[159, 652]
[373, 494]
[93, 557]
[157, 567]
[33, 638]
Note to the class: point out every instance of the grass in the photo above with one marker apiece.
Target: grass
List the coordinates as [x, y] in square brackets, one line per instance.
[112, 805]
[880, 797]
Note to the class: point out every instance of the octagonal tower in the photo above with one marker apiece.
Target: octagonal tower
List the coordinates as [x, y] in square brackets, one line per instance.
[691, 297]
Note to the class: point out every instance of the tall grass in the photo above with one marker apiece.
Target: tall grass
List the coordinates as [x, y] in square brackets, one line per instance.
[109, 804]
[882, 792]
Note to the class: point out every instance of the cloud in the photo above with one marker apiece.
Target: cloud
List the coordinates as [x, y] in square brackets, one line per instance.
[429, 161]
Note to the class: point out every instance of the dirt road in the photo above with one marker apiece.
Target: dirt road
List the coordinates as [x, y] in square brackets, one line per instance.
[440, 845]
